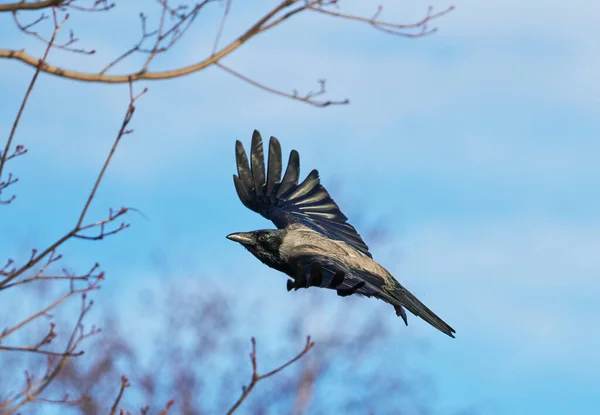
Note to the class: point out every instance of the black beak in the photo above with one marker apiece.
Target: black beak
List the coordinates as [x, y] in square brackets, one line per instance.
[245, 238]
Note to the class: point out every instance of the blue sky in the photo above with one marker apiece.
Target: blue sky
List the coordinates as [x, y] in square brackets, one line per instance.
[477, 148]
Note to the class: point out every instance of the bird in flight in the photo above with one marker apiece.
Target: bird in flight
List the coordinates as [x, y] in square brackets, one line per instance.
[313, 243]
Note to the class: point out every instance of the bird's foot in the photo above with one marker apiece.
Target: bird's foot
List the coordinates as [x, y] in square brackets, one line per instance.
[344, 292]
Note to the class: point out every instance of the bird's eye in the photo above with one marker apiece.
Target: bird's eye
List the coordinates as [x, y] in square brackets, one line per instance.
[262, 238]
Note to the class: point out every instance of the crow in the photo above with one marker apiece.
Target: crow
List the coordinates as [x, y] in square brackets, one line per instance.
[313, 243]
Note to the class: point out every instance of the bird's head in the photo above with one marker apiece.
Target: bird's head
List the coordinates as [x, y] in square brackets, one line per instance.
[263, 244]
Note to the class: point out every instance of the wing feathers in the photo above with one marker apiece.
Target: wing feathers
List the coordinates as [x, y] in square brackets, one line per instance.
[305, 187]
[317, 198]
[284, 201]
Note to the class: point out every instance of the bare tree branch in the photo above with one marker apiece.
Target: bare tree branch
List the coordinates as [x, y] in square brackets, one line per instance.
[4, 157]
[282, 12]
[90, 77]
[257, 378]
[75, 232]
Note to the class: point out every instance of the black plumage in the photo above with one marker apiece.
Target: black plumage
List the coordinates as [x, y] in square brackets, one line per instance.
[314, 244]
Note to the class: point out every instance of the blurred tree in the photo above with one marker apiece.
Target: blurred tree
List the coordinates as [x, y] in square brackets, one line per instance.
[42, 341]
[196, 358]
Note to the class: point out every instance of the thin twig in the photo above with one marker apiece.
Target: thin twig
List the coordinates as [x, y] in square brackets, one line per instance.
[40, 277]
[106, 6]
[221, 26]
[65, 46]
[34, 350]
[389, 27]
[64, 401]
[167, 407]
[308, 98]
[124, 385]
[39, 64]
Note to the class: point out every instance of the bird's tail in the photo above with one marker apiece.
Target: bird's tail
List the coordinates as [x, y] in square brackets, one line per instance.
[403, 298]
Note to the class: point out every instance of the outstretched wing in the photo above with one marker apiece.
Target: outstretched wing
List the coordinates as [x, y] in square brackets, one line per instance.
[286, 202]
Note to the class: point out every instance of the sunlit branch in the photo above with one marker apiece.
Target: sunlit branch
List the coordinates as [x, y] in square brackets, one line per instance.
[34, 5]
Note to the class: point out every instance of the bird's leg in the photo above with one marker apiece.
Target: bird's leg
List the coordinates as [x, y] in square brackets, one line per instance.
[316, 275]
[344, 292]
[300, 281]
[337, 280]
[315, 278]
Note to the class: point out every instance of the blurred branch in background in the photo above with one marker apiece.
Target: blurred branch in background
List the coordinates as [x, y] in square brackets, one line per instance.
[189, 362]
